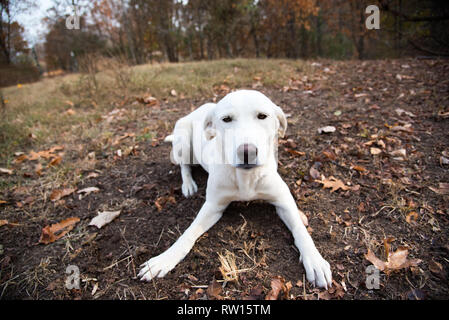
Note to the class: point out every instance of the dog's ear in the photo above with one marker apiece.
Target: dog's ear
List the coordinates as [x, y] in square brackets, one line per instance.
[282, 120]
[209, 126]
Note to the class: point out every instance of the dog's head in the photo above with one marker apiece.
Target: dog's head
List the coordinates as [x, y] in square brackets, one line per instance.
[247, 125]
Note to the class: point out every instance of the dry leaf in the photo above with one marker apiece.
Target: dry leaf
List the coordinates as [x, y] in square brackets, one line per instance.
[88, 190]
[327, 129]
[103, 218]
[6, 171]
[173, 93]
[214, 289]
[330, 155]
[20, 158]
[335, 184]
[314, 173]
[443, 188]
[400, 112]
[359, 168]
[58, 193]
[411, 216]
[38, 169]
[435, 267]
[277, 285]
[92, 175]
[56, 231]
[55, 161]
[395, 260]
[405, 128]
[148, 100]
[374, 151]
[399, 153]
[161, 201]
[294, 152]
[444, 160]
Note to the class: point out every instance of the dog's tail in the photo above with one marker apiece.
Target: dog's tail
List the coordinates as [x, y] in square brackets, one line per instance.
[169, 138]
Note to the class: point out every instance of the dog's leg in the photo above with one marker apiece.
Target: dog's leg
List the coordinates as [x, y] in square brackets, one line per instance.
[189, 186]
[159, 266]
[317, 269]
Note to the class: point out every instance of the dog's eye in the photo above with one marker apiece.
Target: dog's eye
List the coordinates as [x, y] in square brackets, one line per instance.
[227, 119]
[261, 116]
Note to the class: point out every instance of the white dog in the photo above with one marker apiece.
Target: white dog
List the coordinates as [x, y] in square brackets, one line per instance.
[235, 141]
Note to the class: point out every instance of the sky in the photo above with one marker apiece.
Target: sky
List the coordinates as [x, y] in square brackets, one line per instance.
[31, 20]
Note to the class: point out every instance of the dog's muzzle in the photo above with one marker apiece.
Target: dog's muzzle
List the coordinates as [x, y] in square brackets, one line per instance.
[247, 154]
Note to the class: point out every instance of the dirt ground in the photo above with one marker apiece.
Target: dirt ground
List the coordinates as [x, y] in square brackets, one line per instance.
[387, 193]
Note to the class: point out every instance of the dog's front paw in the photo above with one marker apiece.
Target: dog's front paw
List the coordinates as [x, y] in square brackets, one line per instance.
[156, 267]
[318, 270]
[189, 188]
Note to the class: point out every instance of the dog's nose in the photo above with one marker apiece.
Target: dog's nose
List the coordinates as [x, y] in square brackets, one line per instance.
[247, 153]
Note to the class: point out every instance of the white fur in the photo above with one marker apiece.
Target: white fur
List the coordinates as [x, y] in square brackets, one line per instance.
[202, 137]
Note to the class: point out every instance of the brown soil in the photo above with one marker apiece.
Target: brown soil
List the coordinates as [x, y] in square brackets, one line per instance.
[344, 224]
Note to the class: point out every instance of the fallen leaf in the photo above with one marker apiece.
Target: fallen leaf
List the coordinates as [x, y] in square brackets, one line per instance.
[38, 169]
[295, 152]
[92, 175]
[20, 158]
[103, 218]
[359, 168]
[161, 201]
[173, 93]
[411, 216]
[277, 285]
[444, 160]
[55, 161]
[88, 190]
[405, 128]
[400, 112]
[314, 173]
[395, 260]
[148, 100]
[375, 151]
[58, 193]
[327, 129]
[330, 155]
[443, 188]
[214, 289]
[6, 171]
[56, 231]
[399, 153]
[335, 184]
[256, 293]
[435, 267]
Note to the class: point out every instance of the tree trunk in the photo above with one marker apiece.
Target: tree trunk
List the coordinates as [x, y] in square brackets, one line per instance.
[319, 35]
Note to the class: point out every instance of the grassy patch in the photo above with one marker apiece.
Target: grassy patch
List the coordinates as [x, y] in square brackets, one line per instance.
[38, 114]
